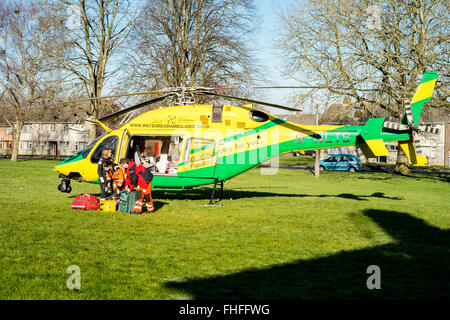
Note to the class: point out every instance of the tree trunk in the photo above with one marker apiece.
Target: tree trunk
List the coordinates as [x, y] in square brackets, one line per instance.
[17, 133]
[316, 163]
[401, 165]
[90, 123]
[91, 128]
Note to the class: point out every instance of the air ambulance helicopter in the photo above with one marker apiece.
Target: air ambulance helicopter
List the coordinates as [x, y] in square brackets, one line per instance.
[188, 144]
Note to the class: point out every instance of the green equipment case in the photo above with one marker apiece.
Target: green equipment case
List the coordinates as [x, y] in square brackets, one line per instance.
[127, 201]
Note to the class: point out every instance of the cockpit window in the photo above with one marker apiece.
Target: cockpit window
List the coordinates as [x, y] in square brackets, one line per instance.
[258, 116]
[88, 149]
[109, 142]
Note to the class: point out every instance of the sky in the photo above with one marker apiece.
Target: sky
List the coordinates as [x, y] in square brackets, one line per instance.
[266, 37]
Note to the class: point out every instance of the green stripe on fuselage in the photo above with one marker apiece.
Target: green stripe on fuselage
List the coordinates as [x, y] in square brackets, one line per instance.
[73, 158]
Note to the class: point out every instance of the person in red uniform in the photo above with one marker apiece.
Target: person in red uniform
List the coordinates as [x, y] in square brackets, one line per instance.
[118, 179]
[140, 178]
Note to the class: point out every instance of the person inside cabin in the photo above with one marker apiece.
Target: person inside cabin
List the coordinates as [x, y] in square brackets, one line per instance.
[103, 176]
[136, 150]
[162, 164]
[140, 178]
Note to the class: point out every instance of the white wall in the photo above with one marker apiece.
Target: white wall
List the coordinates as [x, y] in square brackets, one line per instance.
[43, 136]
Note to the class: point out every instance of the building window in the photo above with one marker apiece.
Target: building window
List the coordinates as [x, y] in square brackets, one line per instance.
[64, 144]
[43, 144]
[26, 145]
[392, 147]
[430, 152]
[80, 146]
[52, 127]
[66, 128]
[80, 127]
[382, 159]
[9, 131]
[27, 128]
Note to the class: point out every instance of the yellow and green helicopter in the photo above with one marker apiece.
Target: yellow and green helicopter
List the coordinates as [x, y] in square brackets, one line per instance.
[189, 145]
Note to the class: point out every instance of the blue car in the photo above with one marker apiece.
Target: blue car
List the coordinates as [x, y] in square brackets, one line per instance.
[344, 162]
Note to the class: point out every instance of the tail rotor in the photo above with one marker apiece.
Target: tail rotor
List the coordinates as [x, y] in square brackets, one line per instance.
[409, 123]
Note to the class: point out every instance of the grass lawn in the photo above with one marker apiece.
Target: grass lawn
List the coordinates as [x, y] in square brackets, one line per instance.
[295, 161]
[283, 236]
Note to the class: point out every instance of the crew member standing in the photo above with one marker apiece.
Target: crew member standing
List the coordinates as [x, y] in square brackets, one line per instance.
[140, 178]
[103, 176]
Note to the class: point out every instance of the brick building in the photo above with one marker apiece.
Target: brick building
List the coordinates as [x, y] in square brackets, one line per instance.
[6, 139]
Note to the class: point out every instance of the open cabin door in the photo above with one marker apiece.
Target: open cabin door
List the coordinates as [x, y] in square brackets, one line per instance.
[123, 145]
[199, 158]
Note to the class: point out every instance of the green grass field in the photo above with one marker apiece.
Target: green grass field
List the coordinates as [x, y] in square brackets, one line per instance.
[283, 236]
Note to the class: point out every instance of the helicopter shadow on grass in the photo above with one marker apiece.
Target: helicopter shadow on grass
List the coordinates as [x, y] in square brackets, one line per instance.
[359, 177]
[433, 176]
[413, 266]
[234, 194]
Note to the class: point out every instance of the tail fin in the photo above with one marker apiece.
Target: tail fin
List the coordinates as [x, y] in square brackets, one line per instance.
[422, 95]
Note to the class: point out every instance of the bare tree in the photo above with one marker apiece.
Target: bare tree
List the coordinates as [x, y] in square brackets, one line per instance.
[374, 52]
[91, 33]
[192, 43]
[25, 76]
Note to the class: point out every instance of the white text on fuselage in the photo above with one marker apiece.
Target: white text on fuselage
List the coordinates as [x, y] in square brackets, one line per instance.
[335, 137]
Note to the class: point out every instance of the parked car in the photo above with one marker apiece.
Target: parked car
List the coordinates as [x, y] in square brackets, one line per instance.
[306, 153]
[344, 162]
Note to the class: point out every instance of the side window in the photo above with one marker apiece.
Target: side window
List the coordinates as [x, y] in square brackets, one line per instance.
[345, 159]
[109, 142]
[199, 149]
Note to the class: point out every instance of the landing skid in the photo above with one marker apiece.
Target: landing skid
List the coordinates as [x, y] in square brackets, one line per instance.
[211, 204]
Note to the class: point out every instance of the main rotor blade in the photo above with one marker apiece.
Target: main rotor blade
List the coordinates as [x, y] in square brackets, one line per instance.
[104, 97]
[252, 101]
[120, 95]
[140, 105]
[294, 87]
[314, 87]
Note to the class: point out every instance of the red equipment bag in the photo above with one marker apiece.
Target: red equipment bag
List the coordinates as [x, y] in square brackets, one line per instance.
[85, 202]
[87, 197]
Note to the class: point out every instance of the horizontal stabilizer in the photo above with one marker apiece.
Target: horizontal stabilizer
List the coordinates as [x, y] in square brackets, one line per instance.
[366, 150]
[409, 149]
[372, 145]
[377, 147]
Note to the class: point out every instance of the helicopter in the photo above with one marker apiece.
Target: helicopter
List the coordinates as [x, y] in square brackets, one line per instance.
[188, 145]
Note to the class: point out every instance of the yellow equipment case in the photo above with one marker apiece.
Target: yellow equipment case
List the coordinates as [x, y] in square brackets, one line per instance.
[108, 206]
